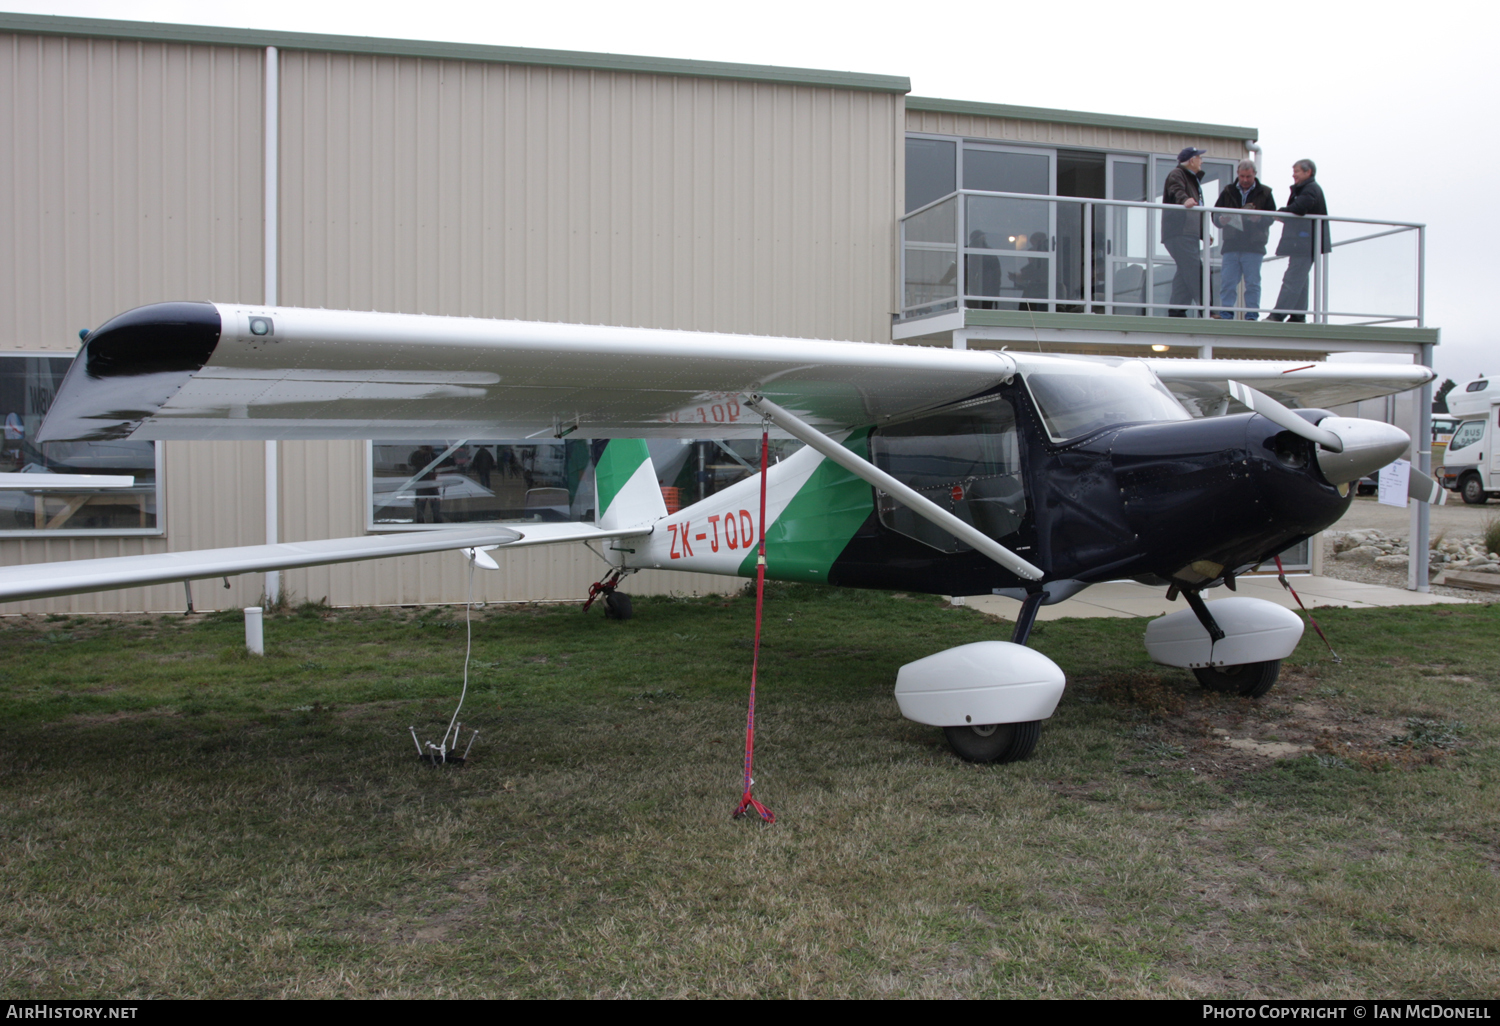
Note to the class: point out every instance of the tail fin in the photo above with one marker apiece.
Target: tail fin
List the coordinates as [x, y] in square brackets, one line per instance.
[625, 484]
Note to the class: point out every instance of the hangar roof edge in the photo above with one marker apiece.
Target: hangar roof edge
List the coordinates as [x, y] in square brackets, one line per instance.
[212, 35]
[1074, 117]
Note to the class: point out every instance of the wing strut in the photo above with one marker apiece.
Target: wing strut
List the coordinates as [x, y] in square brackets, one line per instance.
[909, 497]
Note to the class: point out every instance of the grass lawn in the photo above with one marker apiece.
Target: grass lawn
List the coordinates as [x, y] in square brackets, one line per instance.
[180, 819]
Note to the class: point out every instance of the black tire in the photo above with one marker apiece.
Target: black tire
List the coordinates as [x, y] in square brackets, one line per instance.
[617, 606]
[994, 742]
[1248, 680]
[1472, 490]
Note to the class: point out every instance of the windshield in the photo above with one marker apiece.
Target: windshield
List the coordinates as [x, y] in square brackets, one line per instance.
[1467, 434]
[1080, 398]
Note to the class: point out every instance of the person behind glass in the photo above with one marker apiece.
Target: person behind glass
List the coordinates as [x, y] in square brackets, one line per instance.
[1297, 240]
[1245, 238]
[1031, 279]
[426, 507]
[1181, 231]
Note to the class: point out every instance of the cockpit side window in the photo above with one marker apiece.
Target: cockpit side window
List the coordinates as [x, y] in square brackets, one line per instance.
[1477, 386]
[967, 461]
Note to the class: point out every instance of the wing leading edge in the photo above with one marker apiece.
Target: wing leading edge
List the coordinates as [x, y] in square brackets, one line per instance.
[221, 371]
[294, 373]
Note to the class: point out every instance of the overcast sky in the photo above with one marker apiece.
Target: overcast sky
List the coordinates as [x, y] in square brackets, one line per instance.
[1397, 104]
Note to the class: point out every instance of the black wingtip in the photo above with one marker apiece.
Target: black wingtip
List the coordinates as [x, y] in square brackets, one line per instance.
[129, 367]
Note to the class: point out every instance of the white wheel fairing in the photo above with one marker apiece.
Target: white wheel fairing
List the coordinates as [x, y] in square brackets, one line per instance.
[982, 683]
[1255, 631]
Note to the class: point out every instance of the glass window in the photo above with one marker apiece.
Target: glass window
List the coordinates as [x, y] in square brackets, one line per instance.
[991, 170]
[967, 461]
[1129, 180]
[431, 483]
[27, 387]
[931, 170]
[1476, 386]
[1469, 432]
[469, 481]
[1079, 398]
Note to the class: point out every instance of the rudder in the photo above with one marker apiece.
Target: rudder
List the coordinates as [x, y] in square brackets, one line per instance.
[626, 486]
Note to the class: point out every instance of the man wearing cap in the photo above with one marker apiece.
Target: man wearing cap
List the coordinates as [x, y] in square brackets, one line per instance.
[1297, 240]
[1181, 230]
[1245, 237]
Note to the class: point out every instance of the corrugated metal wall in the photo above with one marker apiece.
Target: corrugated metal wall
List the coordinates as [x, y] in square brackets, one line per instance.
[132, 175]
[1048, 133]
[429, 186]
[491, 190]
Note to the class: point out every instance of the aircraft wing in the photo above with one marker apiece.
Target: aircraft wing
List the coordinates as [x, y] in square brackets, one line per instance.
[48, 580]
[219, 371]
[1205, 383]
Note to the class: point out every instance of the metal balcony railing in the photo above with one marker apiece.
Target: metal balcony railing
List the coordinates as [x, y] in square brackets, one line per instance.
[1063, 254]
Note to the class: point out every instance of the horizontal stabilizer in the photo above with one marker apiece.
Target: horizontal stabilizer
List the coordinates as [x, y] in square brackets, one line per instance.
[48, 580]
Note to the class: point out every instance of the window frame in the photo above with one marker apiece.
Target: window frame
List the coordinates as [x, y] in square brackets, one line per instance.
[61, 533]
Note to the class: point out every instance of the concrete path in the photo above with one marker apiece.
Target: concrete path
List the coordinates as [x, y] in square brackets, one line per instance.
[1126, 598]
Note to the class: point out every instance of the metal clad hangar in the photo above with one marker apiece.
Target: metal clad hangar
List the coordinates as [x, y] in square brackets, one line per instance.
[155, 162]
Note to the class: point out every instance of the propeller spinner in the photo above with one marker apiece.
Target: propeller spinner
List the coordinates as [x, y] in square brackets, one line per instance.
[1349, 448]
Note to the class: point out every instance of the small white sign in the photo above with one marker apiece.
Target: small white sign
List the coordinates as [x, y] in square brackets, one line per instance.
[1394, 480]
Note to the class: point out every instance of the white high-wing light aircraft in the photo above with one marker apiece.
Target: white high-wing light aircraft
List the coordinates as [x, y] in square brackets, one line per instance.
[925, 469]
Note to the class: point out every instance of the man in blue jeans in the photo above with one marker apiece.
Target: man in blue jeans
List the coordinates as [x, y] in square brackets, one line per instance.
[1297, 241]
[1245, 237]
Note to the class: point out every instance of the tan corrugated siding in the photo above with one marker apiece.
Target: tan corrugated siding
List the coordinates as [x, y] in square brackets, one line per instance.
[132, 175]
[489, 190]
[432, 186]
[548, 194]
[1121, 140]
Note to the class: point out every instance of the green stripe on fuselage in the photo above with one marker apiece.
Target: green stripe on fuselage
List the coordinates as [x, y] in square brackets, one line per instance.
[818, 523]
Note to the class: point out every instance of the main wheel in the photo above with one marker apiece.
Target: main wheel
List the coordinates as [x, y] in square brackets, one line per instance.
[994, 742]
[617, 606]
[1472, 489]
[1249, 680]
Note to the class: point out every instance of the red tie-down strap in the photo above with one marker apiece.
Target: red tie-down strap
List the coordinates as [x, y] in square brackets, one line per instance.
[1281, 576]
[747, 801]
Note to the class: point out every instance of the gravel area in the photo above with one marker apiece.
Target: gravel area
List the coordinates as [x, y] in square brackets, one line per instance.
[1456, 520]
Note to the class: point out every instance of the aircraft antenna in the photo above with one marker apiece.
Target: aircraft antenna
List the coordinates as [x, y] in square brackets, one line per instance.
[747, 801]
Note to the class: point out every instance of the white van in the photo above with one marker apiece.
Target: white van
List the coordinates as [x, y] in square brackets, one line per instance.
[1471, 466]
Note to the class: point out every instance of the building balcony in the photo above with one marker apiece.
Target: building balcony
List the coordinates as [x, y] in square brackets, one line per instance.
[1093, 275]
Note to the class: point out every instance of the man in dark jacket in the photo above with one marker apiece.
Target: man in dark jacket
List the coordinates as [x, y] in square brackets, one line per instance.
[1297, 240]
[1181, 230]
[1245, 237]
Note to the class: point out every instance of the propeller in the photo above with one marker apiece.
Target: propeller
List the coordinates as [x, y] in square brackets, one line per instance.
[1349, 448]
[1282, 417]
[1426, 489]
